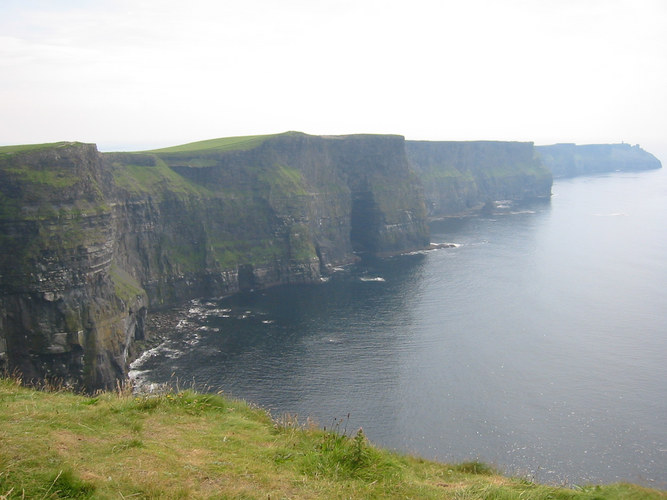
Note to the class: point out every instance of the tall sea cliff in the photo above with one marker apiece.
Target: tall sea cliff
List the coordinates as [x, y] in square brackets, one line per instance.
[91, 242]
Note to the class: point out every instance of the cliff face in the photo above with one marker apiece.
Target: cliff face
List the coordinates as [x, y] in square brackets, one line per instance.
[64, 312]
[90, 239]
[284, 211]
[569, 160]
[462, 176]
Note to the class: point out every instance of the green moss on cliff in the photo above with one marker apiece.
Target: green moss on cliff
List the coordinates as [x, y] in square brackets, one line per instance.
[10, 208]
[56, 179]
[301, 248]
[433, 173]
[125, 286]
[25, 148]
[153, 177]
[283, 181]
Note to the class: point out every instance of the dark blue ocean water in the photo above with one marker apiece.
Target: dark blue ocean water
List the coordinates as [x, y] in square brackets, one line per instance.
[538, 344]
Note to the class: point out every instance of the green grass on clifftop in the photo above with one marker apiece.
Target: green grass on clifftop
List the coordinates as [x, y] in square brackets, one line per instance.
[192, 445]
[212, 145]
[25, 148]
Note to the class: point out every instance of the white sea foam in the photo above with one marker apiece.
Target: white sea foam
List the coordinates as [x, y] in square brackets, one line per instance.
[140, 384]
[182, 323]
[171, 353]
[445, 245]
[197, 311]
[191, 340]
[218, 312]
[137, 378]
[144, 356]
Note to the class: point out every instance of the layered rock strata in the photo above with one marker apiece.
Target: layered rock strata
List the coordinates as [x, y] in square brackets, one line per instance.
[89, 240]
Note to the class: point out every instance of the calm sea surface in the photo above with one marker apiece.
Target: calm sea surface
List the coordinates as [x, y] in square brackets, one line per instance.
[538, 344]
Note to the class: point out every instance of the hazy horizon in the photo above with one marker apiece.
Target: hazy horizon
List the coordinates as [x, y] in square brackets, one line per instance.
[130, 75]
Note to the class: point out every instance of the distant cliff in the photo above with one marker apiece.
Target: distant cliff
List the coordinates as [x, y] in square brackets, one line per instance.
[569, 160]
[461, 176]
[89, 240]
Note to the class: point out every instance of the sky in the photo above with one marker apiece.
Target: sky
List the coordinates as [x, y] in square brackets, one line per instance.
[139, 74]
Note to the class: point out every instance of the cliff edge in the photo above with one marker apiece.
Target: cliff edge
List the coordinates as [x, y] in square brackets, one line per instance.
[90, 240]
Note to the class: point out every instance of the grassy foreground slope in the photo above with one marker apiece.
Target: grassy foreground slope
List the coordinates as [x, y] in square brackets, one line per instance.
[190, 445]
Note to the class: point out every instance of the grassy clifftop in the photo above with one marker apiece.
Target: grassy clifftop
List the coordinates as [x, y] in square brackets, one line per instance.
[240, 143]
[191, 445]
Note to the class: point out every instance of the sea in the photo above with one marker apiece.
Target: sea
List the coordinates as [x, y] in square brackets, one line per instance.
[536, 342]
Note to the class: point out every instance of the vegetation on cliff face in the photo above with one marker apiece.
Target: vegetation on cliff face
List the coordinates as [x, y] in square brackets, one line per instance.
[90, 240]
[186, 444]
[568, 160]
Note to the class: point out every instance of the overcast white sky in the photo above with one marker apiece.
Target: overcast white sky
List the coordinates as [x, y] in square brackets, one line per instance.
[136, 74]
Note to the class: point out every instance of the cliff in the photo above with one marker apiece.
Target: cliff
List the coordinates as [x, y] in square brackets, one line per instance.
[461, 176]
[89, 240]
[569, 160]
[66, 310]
